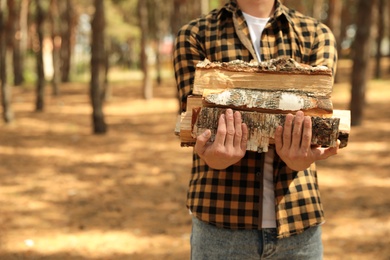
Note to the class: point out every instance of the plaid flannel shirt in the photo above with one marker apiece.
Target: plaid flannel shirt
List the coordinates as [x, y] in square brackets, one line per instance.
[232, 198]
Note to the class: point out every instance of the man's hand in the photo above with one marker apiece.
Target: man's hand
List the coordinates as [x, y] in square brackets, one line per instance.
[293, 143]
[229, 145]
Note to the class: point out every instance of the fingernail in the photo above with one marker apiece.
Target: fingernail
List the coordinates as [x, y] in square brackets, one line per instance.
[229, 111]
[206, 133]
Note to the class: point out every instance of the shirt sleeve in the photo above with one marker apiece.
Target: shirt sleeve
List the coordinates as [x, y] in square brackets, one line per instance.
[324, 49]
[188, 51]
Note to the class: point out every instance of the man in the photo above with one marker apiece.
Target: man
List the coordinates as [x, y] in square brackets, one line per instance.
[248, 205]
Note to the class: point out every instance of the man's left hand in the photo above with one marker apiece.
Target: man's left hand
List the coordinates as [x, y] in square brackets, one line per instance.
[293, 143]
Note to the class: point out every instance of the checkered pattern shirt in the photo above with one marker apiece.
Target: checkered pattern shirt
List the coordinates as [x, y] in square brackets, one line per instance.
[232, 198]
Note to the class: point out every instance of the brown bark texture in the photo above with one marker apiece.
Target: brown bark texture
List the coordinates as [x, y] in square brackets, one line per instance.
[40, 84]
[261, 126]
[264, 93]
[98, 68]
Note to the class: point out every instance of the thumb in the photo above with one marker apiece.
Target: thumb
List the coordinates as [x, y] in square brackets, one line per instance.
[201, 141]
[324, 153]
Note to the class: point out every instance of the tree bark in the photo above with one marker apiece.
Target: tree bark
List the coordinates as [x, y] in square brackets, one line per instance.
[56, 41]
[334, 23]
[5, 89]
[185, 127]
[317, 9]
[269, 100]
[205, 6]
[381, 5]
[159, 33]
[362, 48]
[98, 68]
[40, 84]
[21, 42]
[14, 39]
[147, 85]
[261, 127]
[67, 34]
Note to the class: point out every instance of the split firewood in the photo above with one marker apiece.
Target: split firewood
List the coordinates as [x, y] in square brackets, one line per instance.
[268, 101]
[276, 74]
[261, 127]
[264, 93]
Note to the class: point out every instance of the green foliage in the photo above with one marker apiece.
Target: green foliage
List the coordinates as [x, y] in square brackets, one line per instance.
[120, 23]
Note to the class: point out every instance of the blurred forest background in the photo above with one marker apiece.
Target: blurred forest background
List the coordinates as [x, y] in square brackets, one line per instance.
[89, 165]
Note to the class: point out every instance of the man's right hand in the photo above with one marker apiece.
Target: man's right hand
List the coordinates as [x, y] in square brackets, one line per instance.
[229, 145]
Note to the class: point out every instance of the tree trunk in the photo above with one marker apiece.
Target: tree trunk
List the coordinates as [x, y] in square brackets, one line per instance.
[360, 61]
[20, 46]
[66, 46]
[381, 5]
[5, 89]
[317, 9]
[143, 20]
[107, 86]
[56, 41]
[388, 30]
[205, 6]
[40, 84]
[98, 68]
[14, 39]
[334, 23]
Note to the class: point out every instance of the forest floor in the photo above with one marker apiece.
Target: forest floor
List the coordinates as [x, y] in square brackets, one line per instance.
[68, 194]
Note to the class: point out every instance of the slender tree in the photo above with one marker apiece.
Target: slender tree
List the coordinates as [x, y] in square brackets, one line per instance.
[380, 35]
[5, 89]
[360, 59]
[144, 26]
[14, 38]
[158, 35]
[98, 68]
[56, 42]
[205, 6]
[40, 84]
[334, 23]
[66, 39]
[21, 42]
[318, 9]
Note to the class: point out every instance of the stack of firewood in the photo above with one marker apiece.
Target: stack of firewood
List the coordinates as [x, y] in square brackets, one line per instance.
[264, 93]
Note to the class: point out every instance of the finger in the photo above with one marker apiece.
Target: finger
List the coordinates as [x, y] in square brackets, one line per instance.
[306, 134]
[237, 129]
[201, 141]
[221, 131]
[244, 139]
[297, 130]
[287, 129]
[230, 131]
[279, 138]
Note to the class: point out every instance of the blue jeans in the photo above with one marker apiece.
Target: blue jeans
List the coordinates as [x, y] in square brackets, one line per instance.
[209, 242]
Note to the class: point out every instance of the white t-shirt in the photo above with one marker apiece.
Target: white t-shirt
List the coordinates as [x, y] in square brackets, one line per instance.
[256, 27]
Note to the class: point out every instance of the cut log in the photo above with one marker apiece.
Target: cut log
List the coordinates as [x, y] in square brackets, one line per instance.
[261, 127]
[344, 126]
[186, 121]
[267, 101]
[276, 74]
